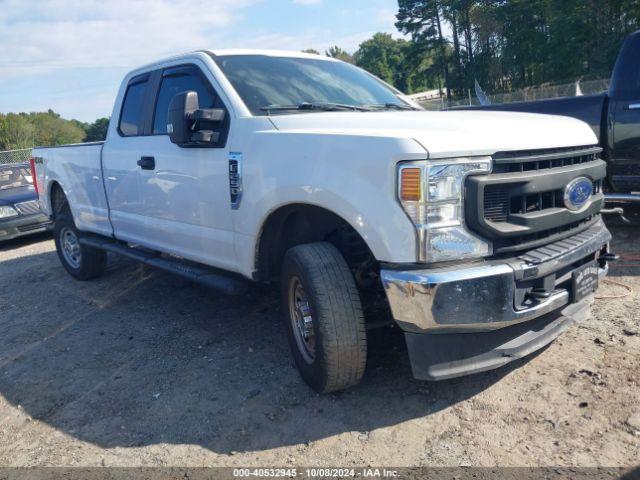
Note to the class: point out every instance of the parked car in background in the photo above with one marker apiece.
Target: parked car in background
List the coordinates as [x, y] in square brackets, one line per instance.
[480, 231]
[20, 212]
[614, 117]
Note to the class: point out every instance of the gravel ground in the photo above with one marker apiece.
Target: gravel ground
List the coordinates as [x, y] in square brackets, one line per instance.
[141, 368]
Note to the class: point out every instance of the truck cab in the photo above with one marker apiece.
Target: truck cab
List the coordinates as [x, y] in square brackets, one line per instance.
[621, 121]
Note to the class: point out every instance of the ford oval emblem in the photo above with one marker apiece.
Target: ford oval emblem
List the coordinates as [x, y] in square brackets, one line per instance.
[577, 193]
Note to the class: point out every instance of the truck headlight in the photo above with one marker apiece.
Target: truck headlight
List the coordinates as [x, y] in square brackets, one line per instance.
[6, 212]
[431, 193]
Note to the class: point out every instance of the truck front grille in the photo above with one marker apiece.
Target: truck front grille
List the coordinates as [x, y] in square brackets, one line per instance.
[499, 204]
[533, 160]
[521, 203]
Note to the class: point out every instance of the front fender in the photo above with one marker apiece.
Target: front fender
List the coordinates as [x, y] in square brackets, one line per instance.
[354, 177]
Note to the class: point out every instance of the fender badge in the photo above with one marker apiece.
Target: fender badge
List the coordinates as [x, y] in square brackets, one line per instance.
[235, 179]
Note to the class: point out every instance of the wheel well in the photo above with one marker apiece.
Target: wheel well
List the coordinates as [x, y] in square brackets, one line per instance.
[57, 198]
[297, 224]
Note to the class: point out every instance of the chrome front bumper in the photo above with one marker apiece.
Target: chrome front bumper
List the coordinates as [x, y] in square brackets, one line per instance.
[494, 294]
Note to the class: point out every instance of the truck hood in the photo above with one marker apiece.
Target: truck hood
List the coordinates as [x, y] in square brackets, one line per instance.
[449, 133]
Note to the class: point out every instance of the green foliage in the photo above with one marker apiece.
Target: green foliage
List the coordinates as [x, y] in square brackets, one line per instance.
[25, 130]
[422, 19]
[340, 54]
[312, 51]
[51, 129]
[395, 61]
[97, 130]
[382, 56]
[508, 44]
[16, 132]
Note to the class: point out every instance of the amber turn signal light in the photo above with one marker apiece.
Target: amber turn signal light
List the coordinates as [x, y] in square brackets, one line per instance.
[410, 184]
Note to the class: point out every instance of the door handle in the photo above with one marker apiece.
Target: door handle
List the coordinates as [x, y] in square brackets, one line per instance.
[634, 106]
[147, 163]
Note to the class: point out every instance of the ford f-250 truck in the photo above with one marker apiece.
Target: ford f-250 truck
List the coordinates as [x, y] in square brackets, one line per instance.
[479, 230]
[614, 116]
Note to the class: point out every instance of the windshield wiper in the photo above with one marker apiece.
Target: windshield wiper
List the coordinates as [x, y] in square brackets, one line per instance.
[392, 106]
[327, 107]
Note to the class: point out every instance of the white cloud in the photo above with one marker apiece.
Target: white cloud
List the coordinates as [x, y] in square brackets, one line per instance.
[386, 16]
[70, 55]
[39, 36]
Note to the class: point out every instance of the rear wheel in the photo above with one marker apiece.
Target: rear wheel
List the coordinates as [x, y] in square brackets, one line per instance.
[324, 319]
[82, 262]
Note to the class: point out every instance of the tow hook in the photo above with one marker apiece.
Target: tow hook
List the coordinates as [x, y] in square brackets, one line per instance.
[615, 211]
[539, 293]
[609, 257]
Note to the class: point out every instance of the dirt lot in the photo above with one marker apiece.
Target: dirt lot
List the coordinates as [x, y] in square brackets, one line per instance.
[143, 368]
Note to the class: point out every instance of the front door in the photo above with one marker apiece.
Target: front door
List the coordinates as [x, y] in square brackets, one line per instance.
[161, 196]
[186, 192]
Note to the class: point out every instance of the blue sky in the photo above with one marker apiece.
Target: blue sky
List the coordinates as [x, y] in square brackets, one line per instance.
[70, 55]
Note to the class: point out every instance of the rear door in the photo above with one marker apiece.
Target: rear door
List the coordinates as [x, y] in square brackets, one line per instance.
[624, 117]
[186, 194]
[120, 154]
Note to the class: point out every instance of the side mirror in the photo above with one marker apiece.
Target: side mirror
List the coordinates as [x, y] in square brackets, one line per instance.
[191, 126]
[180, 107]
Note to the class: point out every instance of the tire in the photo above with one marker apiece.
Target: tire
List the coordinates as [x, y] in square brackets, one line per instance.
[82, 262]
[330, 350]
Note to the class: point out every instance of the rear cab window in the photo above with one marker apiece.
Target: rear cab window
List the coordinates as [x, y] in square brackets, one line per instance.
[132, 113]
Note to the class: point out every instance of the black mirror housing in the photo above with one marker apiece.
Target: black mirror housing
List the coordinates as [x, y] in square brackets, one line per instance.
[208, 115]
[190, 126]
[180, 107]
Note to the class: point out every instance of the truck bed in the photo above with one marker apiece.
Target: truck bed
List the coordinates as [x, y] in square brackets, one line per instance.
[71, 145]
[78, 165]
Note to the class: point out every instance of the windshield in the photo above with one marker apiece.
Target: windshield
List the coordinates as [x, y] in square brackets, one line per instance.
[263, 81]
[14, 176]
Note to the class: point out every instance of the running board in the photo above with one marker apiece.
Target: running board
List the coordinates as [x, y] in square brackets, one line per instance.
[228, 283]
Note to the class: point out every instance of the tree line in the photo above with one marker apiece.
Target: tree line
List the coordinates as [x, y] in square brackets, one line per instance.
[503, 44]
[509, 44]
[391, 59]
[25, 130]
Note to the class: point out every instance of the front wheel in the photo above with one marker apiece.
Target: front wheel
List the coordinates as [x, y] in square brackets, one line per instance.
[324, 319]
[82, 262]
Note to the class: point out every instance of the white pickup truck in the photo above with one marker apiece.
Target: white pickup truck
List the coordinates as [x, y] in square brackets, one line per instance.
[479, 233]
